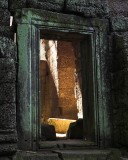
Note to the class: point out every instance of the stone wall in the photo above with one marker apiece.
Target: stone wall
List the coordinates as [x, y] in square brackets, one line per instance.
[115, 11]
[8, 63]
[119, 42]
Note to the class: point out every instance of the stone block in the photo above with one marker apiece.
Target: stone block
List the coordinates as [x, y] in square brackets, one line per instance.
[120, 51]
[48, 132]
[8, 48]
[75, 130]
[88, 8]
[119, 24]
[4, 4]
[8, 149]
[7, 70]
[118, 8]
[17, 4]
[7, 93]
[61, 125]
[120, 80]
[7, 31]
[7, 117]
[4, 17]
[12, 138]
[51, 5]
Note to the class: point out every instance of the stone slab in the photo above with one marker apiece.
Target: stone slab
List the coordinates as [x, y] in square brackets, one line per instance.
[8, 48]
[83, 154]
[51, 5]
[7, 116]
[7, 93]
[88, 8]
[4, 4]
[7, 70]
[4, 17]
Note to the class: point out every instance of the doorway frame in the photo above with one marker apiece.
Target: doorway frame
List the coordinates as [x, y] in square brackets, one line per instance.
[29, 25]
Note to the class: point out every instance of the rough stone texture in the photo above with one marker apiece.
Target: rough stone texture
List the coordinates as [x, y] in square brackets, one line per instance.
[8, 48]
[4, 4]
[88, 8]
[8, 148]
[6, 31]
[120, 51]
[118, 7]
[85, 154]
[120, 82]
[8, 116]
[119, 24]
[8, 93]
[17, 4]
[52, 5]
[7, 70]
[21, 155]
[4, 17]
[8, 136]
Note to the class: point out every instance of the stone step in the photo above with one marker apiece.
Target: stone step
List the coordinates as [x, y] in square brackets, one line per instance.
[84, 154]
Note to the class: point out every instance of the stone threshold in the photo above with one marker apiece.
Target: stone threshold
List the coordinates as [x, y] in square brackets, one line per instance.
[66, 144]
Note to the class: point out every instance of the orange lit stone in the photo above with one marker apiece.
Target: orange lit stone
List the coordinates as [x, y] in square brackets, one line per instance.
[61, 125]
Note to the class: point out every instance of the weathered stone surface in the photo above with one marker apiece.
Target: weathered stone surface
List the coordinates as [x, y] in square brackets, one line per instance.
[4, 17]
[4, 4]
[119, 24]
[7, 116]
[7, 70]
[8, 48]
[7, 149]
[7, 93]
[7, 31]
[48, 132]
[120, 51]
[120, 80]
[52, 5]
[17, 4]
[118, 7]
[22, 155]
[88, 8]
[4, 158]
[8, 137]
[84, 154]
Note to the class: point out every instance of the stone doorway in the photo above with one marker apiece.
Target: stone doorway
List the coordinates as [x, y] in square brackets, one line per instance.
[36, 25]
